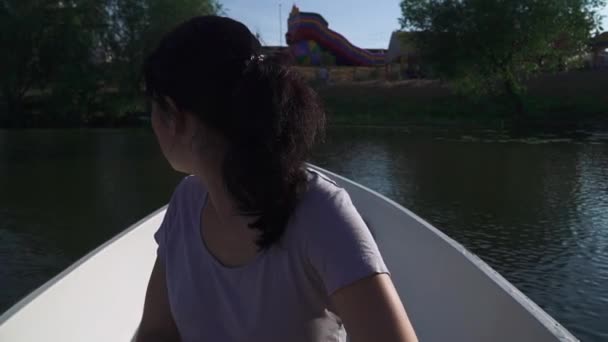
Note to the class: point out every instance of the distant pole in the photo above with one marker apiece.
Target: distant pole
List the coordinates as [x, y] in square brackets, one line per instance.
[280, 24]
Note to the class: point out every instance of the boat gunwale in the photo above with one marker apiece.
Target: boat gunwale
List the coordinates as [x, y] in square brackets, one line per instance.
[556, 328]
[23, 302]
[546, 320]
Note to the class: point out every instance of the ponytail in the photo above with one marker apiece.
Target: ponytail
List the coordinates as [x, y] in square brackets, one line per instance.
[277, 120]
[267, 113]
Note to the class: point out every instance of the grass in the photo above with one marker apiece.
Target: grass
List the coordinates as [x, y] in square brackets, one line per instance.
[565, 99]
[562, 99]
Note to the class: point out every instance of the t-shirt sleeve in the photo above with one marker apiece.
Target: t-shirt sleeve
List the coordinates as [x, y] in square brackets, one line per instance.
[161, 235]
[340, 246]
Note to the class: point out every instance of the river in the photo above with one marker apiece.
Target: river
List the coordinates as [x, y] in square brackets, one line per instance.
[535, 208]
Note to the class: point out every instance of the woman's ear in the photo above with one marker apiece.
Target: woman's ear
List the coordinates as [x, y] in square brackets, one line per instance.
[177, 119]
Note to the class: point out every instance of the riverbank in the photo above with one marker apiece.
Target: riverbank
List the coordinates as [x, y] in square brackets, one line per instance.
[560, 100]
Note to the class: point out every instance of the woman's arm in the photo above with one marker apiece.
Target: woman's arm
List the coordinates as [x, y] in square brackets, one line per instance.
[157, 324]
[372, 311]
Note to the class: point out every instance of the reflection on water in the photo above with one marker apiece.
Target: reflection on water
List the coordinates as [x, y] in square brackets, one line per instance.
[536, 209]
[63, 193]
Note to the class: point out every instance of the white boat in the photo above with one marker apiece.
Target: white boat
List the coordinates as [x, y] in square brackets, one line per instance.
[449, 293]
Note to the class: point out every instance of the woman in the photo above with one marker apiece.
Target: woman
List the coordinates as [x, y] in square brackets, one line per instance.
[253, 247]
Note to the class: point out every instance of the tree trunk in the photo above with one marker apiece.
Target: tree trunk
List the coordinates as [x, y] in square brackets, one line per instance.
[516, 99]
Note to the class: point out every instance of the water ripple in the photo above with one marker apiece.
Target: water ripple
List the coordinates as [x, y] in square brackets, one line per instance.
[534, 208]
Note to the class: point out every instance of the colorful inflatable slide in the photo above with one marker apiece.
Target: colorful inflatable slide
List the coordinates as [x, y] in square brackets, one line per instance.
[308, 36]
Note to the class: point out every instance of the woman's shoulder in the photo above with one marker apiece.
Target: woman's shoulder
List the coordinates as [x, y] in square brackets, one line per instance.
[187, 196]
[189, 187]
[320, 188]
[330, 233]
[323, 203]
[182, 210]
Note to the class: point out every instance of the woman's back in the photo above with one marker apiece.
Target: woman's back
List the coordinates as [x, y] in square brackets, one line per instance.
[245, 124]
[283, 293]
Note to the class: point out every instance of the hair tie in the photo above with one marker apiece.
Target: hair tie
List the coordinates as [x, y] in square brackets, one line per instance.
[254, 60]
[257, 58]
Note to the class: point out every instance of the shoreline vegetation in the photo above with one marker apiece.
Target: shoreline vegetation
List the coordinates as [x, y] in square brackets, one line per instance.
[542, 72]
[571, 99]
[536, 75]
[553, 101]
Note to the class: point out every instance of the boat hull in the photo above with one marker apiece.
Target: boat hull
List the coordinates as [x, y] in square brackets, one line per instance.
[449, 293]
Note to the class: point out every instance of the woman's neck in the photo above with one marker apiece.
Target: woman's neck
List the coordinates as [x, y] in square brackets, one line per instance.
[225, 232]
[222, 202]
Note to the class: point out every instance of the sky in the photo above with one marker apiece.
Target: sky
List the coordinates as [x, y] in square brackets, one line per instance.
[365, 23]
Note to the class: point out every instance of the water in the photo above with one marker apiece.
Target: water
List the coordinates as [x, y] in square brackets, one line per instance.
[536, 209]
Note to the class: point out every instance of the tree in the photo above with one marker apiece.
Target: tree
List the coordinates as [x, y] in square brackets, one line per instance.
[75, 59]
[46, 43]
[494, 45]
[136, 26]
[64, 52]
[18, 68]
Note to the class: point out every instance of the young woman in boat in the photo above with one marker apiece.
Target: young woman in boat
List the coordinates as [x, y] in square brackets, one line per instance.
[254, 245]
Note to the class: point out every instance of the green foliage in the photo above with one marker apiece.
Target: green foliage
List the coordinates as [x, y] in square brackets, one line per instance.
[492, 46]
[552, 100]
[136, 26]
[45, 42]
[64, 56]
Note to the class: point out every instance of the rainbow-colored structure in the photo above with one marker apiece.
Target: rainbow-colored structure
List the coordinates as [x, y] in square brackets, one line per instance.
[307, 52]
[309, 35]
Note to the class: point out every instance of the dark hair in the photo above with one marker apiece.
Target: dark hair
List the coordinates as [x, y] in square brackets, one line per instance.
[270, 118]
